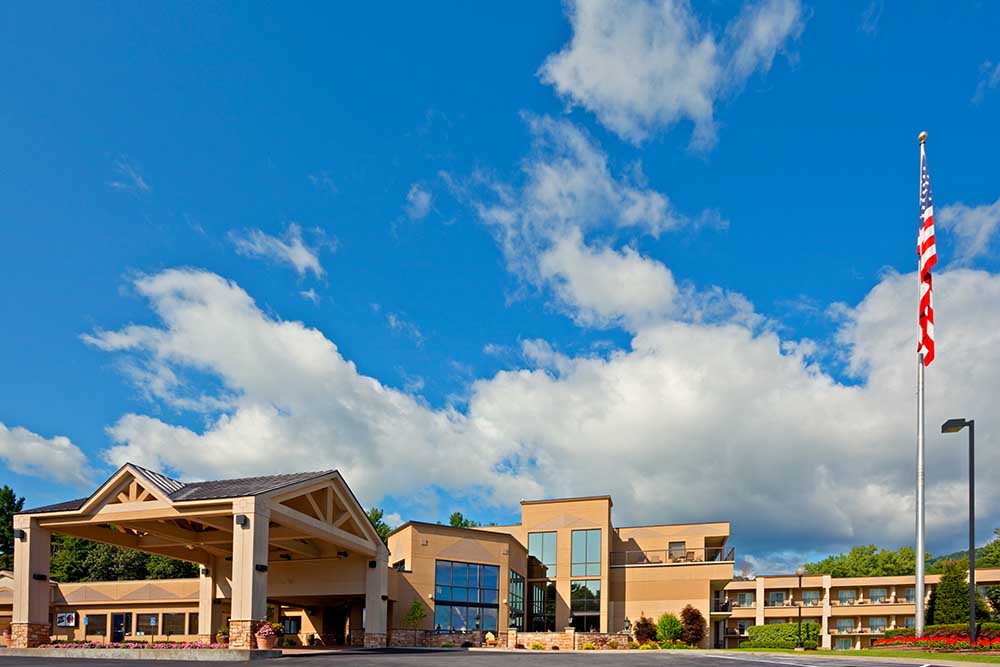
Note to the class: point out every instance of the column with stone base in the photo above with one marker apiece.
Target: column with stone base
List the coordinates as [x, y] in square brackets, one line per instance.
[209, 618]
[376, 596]
[30, 621]
[250, 536]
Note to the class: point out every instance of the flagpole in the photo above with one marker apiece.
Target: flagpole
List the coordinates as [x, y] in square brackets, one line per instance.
[920, 550]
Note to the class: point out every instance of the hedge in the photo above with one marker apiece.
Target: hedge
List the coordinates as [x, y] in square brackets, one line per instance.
[809, 644]
[768, 636]
[984, 630]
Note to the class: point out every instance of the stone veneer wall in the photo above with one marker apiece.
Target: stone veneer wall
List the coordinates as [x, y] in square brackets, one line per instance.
[243, 634]
[403, 637]
[356, 638]
[567, 640]
[28, 635]
[375, 640]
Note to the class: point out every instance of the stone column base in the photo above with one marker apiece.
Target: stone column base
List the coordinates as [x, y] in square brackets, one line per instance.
[375, 640]
[512, 638]
[207, 639]
[243, 634]
[29, 635]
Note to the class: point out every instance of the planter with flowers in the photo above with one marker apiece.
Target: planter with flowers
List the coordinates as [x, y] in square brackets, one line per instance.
[267, 637]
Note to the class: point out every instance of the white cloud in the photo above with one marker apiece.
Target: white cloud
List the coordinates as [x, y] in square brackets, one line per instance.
[129, 179]
[871, 16]
[989, 80]
[403, 326]
[723, 419]
[603, 286]
[558, 226]
[290, 249]
[310, 295]
[418, 202]
[642, 65]
[974, 228]
[322, 180]
[56, 458]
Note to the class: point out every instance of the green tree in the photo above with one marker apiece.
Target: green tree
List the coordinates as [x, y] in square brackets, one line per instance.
[993, 598]
[693, 626]
[866, 561]
[668, 628]
[989, 554]
[456, 520]
[415, 615]
[949, 601]
[69, 555]
[161, 567]
[375, 516]
[10, 504]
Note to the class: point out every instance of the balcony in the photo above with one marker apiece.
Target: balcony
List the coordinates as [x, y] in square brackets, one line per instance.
[722, 606]
[672, 557]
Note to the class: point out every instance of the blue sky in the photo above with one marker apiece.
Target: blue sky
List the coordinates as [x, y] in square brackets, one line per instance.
[493, 223]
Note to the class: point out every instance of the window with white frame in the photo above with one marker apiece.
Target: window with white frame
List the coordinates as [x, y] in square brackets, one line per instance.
[811, 598]
[775, 598]
[744, 599]
[847, 596]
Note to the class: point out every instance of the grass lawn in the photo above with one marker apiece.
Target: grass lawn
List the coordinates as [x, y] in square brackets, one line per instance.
[929, 656]
[924, 655]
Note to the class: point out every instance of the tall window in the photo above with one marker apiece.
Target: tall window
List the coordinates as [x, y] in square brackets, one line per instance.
[542, 555]
[586, 553]
[542, 606]
[145, 624]
[909, 621]
[910, 595]
[585, 604]
[845, 625]
[678, 551]
[515, 600]
[843, 644]
[95, 624]
[810, 598]
[744, 599]
[173, 624]
[466, 596]
[193, 623]
[878, 595]
[775, 598]
[876, 624]
[741, 627]
[846, 596]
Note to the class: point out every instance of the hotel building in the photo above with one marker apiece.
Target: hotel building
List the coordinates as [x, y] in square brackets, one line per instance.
[298, 549]
[852, 612]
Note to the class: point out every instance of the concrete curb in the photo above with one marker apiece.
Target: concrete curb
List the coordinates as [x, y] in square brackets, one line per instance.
[200, 654]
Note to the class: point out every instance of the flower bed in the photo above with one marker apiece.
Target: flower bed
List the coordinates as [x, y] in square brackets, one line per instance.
[133, 645]
[957, 643]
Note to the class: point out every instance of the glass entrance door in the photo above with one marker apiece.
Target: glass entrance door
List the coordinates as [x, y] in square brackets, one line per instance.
[121, 626]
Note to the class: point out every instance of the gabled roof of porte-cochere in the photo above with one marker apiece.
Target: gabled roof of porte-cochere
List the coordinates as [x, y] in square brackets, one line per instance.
[209, 490]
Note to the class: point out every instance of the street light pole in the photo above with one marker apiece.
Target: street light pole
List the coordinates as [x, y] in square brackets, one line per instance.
[954, 426]
[799, 571]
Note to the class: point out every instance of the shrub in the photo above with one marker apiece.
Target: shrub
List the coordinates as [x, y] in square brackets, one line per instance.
[668, 628]
[633, 644]
[764, 636]
[644, 630]
[809, 644]
[674, 644]
[535, 646]
[648, 646]
[448, 645]
[613, 644]
[768, 644]
[693, 626]
[588, 646]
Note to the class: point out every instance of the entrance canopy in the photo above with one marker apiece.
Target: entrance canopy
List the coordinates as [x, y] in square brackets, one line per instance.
[313, 515]
[306, 527]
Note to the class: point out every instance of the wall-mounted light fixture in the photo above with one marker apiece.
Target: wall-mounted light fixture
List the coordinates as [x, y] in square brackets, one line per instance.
[430, 596]
[372, 564]
[260, 567]
[285, 556]
[242, 521]
[20, 535]
[40, 577]
[385, 598]
[341, 554]
[204, 571]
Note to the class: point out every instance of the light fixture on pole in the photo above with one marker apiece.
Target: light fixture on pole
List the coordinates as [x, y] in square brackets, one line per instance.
[954, 426]
[799, 571]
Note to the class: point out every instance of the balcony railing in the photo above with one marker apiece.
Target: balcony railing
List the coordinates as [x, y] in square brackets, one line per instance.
[672, 556]
[722, 606]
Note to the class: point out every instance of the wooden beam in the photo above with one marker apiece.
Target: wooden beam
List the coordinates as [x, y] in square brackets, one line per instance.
[320, 530]
[298, 547]
[315, 507]
[97, 533]
[148, 511]
[342, 519]
[329, 504]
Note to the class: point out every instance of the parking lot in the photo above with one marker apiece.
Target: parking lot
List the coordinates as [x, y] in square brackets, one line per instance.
[427, 658]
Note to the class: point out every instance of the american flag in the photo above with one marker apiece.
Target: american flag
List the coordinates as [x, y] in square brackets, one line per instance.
[928, 258]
